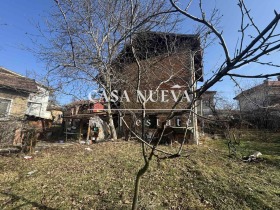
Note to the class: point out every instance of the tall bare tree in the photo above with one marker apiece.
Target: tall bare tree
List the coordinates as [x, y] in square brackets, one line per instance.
[262, 42]
[155, 63]
[85, 37]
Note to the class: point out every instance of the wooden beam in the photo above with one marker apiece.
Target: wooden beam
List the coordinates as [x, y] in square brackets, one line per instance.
[88, 132]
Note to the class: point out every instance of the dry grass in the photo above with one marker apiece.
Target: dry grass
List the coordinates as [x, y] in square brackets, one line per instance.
[73, 178]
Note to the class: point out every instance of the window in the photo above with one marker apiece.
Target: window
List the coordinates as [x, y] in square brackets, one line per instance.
[153, 121]
[34, 109]
[4, 107]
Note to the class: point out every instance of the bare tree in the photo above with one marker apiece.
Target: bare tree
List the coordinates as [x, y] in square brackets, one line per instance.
[156, 62]
[85, 37]
[263, 41]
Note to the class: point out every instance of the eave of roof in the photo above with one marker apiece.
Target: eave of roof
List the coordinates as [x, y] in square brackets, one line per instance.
[18, 83]
[248, 91]
[15, 81]
[266, 83]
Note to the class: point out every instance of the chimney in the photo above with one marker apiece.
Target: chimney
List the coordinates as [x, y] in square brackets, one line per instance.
[278, 78]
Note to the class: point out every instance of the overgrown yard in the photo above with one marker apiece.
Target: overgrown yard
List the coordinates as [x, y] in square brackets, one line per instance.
[74, 178]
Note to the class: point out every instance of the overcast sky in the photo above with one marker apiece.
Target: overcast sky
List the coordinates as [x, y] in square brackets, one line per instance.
[18, 19]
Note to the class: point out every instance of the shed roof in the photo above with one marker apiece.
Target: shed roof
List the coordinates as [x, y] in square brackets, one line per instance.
[83, 102]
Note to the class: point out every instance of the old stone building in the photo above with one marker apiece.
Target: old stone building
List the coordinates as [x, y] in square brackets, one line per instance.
[22, 101]
[14, 94]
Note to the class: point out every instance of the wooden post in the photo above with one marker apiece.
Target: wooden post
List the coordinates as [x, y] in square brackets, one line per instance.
[88, 131]
[66, 130]
[81, 130]
[202, 120]
[194, 116]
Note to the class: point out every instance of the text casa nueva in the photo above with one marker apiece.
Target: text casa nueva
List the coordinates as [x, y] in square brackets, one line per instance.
[162, 96]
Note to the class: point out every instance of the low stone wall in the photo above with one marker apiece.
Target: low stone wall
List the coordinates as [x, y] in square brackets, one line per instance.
[9, 130]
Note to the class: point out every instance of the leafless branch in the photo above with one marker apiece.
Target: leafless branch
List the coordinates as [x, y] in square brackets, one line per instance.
[254, 76]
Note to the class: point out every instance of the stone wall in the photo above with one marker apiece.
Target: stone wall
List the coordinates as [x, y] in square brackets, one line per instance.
[9, 131]
[18, 101]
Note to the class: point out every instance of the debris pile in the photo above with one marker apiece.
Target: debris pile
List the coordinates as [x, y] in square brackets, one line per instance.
[253, 158]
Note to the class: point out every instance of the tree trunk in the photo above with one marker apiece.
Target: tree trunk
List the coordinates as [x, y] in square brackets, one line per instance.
[111, 123]
[140, 173]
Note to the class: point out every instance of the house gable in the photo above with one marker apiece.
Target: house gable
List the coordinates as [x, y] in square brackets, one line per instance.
[266, 94]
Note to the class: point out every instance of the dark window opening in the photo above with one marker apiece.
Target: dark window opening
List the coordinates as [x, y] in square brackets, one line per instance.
[153, 121]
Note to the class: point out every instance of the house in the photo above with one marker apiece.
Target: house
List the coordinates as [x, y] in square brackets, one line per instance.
[157, 68]
[260, 104]
[264, 95]
[21, 97]
[14, 94]
[21, 100]
[170, 65]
